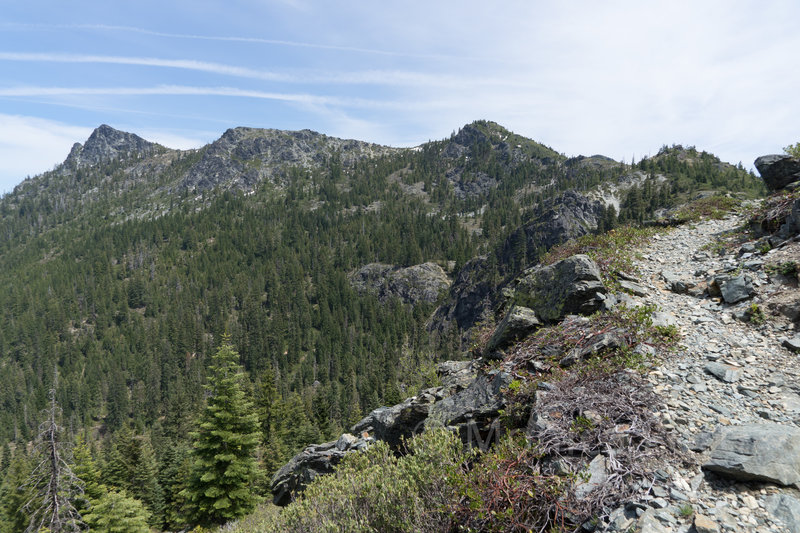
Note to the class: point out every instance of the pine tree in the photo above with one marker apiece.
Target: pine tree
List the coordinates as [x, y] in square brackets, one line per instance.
[224, 466]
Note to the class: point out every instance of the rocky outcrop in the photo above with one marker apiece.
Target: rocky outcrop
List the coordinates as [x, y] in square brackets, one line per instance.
[315, 460]
[106, 144]
[414, 284]
[474, 295]
[470, 299]
[565, 217]
[568, 287]
[480, 402]
[243, 157]
[766, 452]
[466, 399]
[778, 170]
[518, 323]
[393, 424]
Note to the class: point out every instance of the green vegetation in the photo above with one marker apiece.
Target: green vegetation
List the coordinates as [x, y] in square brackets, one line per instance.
[793, 149]
[224, 466]
[375, 490]
[755, 314]
[715, 207]
[610, 250]
[127, 283]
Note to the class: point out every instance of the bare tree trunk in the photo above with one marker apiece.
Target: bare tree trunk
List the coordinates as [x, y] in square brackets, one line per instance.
[55, 484]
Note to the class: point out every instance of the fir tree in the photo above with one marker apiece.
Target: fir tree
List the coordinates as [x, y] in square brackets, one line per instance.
[117, 512]
[224, 465]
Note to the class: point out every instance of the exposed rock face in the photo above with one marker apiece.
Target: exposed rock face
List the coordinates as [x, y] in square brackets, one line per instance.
[392, 424]
[473, 296]
[778, 170]
[418, 283]
[314, 461]
[570, 286]
[479, 402]
[469, 300]
[107, 144]
[566, 217]
[518, 323]
[766, 452]
[243, 157]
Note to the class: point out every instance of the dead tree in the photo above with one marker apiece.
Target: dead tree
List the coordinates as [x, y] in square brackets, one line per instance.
[54, 484]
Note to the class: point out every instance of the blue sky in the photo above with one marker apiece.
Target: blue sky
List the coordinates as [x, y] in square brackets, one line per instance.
[620, 78]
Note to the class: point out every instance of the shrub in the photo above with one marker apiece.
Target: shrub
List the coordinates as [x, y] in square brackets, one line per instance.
[375, 490]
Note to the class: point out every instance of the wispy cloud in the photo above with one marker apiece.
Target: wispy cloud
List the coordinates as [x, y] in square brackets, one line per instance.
[233, 92]
[235, 39]
[366, 77]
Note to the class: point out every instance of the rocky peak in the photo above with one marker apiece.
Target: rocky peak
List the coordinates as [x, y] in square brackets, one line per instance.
[243, 157]
[106, 144]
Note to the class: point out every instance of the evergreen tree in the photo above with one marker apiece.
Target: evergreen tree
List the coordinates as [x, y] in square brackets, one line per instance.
[224, 466]
[117, 512]
[14, 494]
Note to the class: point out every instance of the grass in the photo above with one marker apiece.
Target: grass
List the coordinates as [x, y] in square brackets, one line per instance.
[715, 207]
[612, 251]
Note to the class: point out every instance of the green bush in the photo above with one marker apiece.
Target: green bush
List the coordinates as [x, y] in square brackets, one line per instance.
[375, 490]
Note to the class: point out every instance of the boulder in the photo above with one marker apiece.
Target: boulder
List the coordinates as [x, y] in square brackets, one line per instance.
[392, 424]
[315, 460]
[778, 170]
[479, 402]
[570, 286]
[737, 289]
[760, 452]
[785, 508]
[456, 375]
[414, 284]
[518, 323]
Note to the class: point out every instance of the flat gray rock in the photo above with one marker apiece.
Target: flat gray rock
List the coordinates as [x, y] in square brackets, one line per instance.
[793, 344]
[785, 508]
[737, 289]
[518, 323]
[765, 452]
[723, 372]
[632, 287]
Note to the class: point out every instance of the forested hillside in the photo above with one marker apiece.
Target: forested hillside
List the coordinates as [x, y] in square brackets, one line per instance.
[122, 270]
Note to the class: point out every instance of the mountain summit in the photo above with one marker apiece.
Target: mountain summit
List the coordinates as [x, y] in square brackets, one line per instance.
[106, 144]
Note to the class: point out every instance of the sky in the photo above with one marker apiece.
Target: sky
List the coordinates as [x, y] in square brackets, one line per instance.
[619, 77]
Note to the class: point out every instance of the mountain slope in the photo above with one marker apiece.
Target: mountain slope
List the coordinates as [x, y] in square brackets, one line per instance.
[125, 265]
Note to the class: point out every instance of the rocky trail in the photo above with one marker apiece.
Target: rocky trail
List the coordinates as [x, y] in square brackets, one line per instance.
[730, 390]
